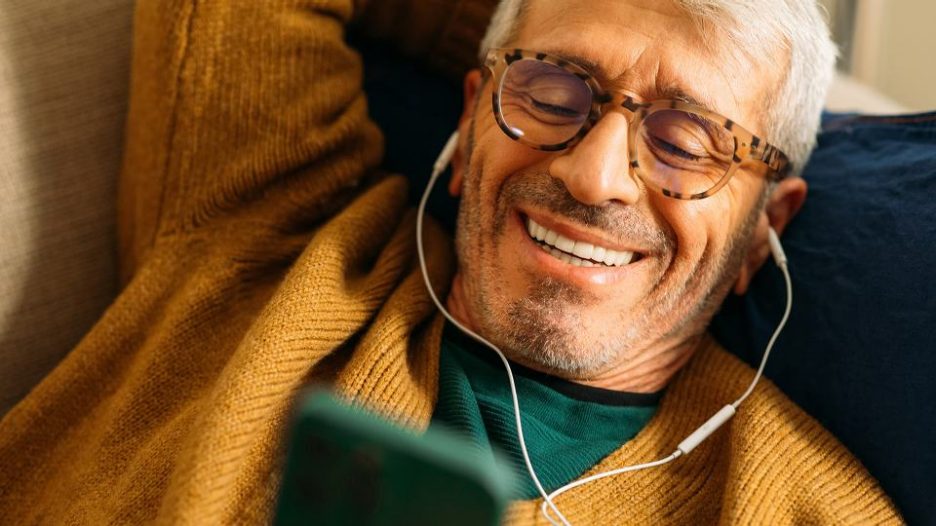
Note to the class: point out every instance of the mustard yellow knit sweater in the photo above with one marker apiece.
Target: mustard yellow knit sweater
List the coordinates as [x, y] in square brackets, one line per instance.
[261, 250]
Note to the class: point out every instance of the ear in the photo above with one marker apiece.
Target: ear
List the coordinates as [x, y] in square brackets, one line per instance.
[782, 205]
[472, 86]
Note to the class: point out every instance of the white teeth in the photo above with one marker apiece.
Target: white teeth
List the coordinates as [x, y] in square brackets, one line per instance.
[550, 237]
[624, 258]
[598, 254]
[564, 244]
[583, 250]
[585, 254]
[540, 232]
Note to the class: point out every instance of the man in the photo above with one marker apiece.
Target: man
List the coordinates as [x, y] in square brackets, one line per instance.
[261, 251]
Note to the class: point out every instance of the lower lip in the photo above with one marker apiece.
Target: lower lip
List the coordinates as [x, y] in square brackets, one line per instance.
[582, 276]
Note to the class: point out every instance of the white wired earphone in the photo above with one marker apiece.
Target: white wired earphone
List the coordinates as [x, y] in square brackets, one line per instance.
[684, 447]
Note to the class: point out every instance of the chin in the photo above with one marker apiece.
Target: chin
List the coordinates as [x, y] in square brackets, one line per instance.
[551, 338]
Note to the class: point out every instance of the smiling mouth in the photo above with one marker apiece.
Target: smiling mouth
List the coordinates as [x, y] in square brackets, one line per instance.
[578, 253]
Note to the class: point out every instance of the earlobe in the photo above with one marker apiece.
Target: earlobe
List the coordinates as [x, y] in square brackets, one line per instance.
[472, 86]
[782, 205]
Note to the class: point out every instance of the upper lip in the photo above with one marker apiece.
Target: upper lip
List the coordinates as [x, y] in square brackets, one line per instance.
[576, 233]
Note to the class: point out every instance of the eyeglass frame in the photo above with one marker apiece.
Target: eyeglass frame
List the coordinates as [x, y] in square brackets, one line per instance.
[747, 146]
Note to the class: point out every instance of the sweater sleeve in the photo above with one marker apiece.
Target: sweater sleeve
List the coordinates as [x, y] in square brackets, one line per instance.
[240, 113]
[247, 110]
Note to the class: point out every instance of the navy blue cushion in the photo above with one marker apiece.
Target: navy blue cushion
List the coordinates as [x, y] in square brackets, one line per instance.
[859, 351]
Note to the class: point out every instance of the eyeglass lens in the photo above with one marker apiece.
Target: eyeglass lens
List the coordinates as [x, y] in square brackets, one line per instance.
[677, 150]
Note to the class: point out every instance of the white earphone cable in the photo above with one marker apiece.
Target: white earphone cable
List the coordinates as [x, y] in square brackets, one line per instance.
[782, 264]
[687, 445]
[437, 170]
[776, 334]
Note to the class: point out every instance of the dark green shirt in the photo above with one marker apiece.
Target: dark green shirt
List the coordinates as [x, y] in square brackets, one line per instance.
[568, 427]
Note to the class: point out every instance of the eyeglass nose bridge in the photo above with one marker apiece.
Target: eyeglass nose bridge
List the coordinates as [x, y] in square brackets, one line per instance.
[632, 110]
[605, 103]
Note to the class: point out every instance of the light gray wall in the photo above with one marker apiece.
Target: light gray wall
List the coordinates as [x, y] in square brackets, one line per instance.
[890, 45]
[905, 65]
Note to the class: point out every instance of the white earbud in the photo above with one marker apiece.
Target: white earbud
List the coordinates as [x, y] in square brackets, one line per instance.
[775, 247]
[445, 156]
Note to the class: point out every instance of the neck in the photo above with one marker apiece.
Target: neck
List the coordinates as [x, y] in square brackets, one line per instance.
[647, 371]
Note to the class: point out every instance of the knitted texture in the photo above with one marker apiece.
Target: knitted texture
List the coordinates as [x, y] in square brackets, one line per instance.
[247, 135]
[564, 435]
[260, 250]
[771, 464]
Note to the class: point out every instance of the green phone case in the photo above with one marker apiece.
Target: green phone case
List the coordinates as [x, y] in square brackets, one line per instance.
[350, 467]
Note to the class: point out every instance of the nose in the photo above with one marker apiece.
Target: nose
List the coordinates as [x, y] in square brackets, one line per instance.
[596, 170]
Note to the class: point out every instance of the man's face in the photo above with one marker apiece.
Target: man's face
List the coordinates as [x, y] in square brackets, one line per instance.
[595, 323]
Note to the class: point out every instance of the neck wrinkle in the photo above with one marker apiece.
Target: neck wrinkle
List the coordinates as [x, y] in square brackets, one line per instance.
[650, 374]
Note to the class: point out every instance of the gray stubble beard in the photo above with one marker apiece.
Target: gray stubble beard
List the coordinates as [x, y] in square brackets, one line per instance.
[537, 330]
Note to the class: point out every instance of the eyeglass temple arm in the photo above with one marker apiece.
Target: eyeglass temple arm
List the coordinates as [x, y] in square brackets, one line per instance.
[778, 163]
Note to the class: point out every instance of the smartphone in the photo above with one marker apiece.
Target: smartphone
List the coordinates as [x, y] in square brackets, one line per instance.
[347, 466]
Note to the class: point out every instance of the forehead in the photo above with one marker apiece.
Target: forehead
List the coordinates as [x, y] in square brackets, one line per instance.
[651, 49]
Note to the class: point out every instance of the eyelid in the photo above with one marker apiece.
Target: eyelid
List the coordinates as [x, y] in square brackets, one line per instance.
[605, 83]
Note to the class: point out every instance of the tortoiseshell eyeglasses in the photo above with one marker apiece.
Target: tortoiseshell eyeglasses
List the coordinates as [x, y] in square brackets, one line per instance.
[679, 149]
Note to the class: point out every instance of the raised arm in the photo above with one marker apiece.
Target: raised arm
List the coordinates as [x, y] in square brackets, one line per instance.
[247, 134]
[240, 111]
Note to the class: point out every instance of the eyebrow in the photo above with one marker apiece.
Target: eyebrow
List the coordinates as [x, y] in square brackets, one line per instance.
[669, 92]
[677, 93]
[595, 69]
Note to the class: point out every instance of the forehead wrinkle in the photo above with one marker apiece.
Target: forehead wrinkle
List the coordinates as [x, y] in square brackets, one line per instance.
[627, 68]
[628, 71]
[673, 81]
[647, 89]
[669, 84]
[580, 49]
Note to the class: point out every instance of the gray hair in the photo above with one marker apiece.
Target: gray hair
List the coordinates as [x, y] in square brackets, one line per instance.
[760, 29]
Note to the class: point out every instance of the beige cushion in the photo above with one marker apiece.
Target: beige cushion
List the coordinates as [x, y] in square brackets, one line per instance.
[64, 66]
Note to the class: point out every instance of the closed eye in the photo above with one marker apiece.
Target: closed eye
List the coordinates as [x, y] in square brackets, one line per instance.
[672, 149]
[554, 109]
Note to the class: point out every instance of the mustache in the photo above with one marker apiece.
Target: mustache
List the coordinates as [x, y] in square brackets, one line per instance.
[620, 222]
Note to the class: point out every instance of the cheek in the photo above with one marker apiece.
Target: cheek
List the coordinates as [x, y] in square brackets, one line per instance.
[498, 155]
[496, 159]
[706, 230]
[701, 228]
